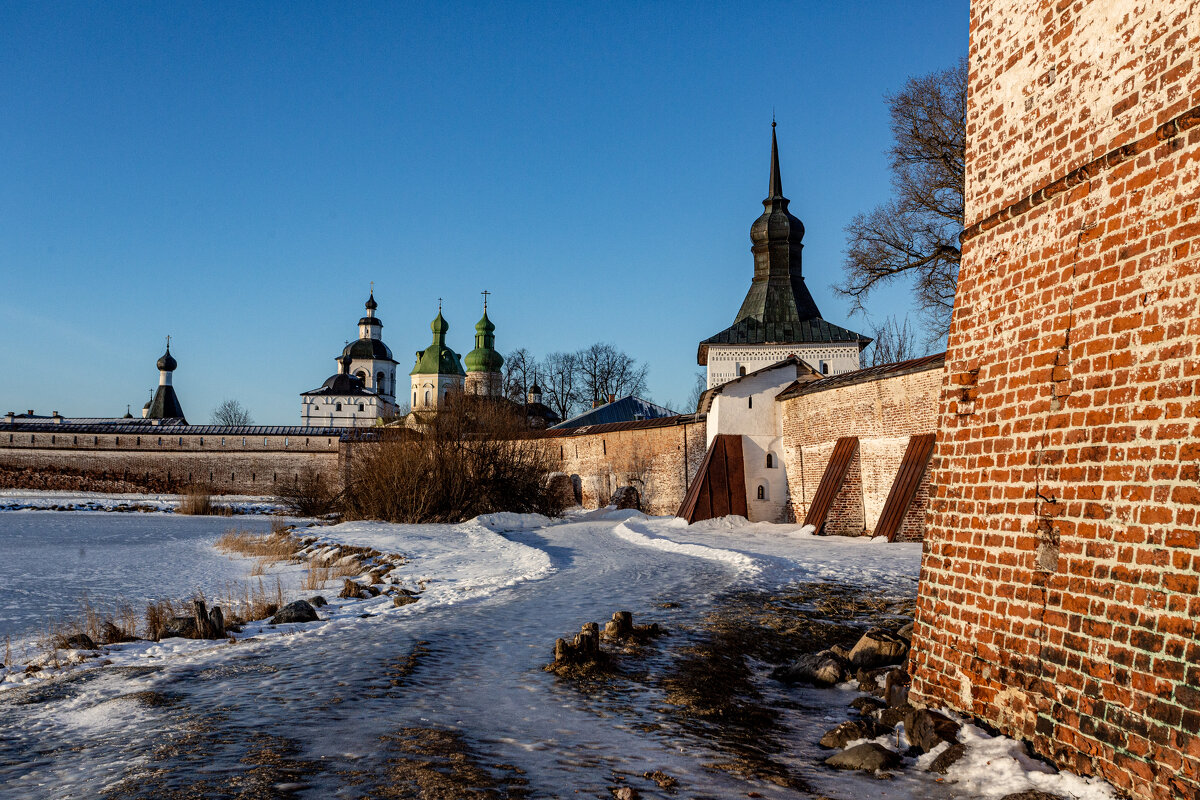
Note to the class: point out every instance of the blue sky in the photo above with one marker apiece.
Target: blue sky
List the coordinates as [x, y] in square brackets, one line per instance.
[235, 175]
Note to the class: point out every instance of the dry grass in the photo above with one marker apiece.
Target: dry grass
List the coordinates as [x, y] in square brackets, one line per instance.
[158, 614]
[317, 575]
[198, 501]
[278, 545]
[249, 602]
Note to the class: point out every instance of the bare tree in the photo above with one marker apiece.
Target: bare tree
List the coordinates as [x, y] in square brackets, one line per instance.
[894, 341]
[558, 376]
[604, 370]
[231, 412]
[693, 403]
[518, 374]
[915, 233]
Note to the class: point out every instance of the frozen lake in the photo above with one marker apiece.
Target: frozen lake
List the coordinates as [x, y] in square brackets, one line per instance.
[50, 560]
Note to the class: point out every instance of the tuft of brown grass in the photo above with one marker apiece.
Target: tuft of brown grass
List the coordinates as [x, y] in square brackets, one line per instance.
[197, 501]
[318, 575]
[158, 614]
[249, 602]
[270, 547]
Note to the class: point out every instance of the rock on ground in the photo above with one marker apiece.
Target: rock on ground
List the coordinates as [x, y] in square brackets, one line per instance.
[945, 759]
[819, 669]
[869, 757]
[847, 732]
[878, 647]
[927, 729]
[299, 611]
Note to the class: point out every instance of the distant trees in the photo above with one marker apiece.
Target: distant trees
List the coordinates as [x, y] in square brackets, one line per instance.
[894, 341]
[698, 387]
[570, 382]
[519, 367]
[560, 384]
[231, 412]
[915, 233]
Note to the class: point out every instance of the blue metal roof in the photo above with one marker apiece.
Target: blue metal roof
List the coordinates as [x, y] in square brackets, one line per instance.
[627, 409]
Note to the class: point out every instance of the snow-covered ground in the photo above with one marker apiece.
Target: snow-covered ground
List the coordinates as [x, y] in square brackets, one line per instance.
[468, 657]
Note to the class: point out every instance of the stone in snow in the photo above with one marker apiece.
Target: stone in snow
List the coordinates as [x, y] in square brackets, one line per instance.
[298, 611]
[868, 757]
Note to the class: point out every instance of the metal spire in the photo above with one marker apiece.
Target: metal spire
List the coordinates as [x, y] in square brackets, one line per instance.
[485, 294]
[775, 192]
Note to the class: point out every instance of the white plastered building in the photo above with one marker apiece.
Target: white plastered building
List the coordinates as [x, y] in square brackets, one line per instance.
[362, 392]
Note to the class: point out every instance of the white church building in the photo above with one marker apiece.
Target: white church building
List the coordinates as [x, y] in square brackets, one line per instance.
[363, 391]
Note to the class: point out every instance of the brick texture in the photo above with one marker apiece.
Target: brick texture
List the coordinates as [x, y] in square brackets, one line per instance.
[1059, 584]
[883, 413]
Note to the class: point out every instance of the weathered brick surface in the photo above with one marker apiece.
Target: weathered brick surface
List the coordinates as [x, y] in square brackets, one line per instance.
[659, 461]
[883, 413]
[231, 464]
[1059, 585]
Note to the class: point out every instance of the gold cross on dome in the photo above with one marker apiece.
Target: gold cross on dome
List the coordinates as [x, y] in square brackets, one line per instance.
[485, 294]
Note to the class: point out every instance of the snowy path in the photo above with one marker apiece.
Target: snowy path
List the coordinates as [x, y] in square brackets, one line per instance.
[467, 657]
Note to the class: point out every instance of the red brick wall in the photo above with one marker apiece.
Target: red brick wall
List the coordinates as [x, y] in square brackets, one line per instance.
[1059, 586]
[882, 412]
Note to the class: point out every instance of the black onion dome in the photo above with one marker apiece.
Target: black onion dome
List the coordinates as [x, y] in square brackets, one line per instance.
[343, 384]
[368, 348]
[167, 363]
[535, 389]
[371, 305]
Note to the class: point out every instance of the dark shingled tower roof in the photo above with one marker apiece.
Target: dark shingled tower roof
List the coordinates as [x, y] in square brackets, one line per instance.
[778, 307]
[165, 404]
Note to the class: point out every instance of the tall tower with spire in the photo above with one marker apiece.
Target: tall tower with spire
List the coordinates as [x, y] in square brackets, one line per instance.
[165, 403]
[484, 363]
[438, 373]
[779, 317]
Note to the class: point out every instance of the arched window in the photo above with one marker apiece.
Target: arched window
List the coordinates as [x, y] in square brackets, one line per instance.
[414, 399]
[360, 407]
[750, 401]
[741, 372]
[770, 461]
[427, 397]
[379, 384]
[824, 367]
[339, 406]
[362, 376]
[762, 492]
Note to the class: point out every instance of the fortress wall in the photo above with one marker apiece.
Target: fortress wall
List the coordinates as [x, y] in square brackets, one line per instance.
[227, 464]
[659, 457]
[1060, 583]
[883, 411]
